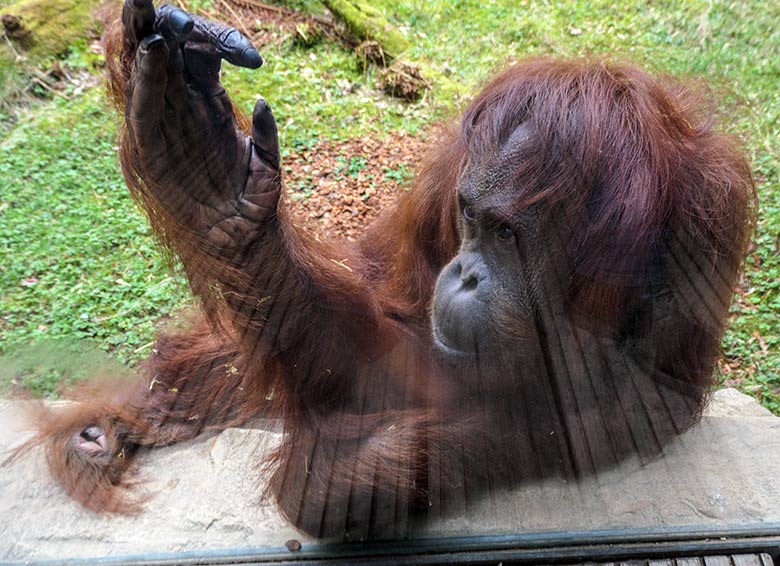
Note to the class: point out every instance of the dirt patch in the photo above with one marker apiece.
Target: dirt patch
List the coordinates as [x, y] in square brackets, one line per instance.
[338, 187]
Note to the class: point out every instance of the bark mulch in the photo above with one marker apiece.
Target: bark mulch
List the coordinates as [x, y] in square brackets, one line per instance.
[338, 187]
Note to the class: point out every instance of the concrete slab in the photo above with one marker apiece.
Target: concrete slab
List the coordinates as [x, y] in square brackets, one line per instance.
[206, 494]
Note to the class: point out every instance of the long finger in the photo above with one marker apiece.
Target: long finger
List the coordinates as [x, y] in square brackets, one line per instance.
[227, 42]
[148, 94]
[263, 180]
[137, 22]
[175, 25]
[203, 64]
[174, 21]
[265, 134]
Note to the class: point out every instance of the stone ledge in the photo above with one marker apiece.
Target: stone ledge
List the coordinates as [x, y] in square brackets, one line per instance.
[731, 403]
[206, 494]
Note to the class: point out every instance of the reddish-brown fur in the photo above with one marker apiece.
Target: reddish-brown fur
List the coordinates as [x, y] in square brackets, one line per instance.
[375, 424]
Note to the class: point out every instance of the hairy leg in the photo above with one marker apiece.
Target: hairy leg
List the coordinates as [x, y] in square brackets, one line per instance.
[195, 381]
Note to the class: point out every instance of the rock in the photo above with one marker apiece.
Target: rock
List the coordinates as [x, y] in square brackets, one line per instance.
[206, 498]
[731, 403]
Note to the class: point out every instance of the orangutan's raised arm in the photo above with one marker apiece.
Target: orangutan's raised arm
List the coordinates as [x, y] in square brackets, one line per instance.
[212, 193]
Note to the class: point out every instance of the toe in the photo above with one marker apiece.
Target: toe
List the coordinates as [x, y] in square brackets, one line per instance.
[92, 439]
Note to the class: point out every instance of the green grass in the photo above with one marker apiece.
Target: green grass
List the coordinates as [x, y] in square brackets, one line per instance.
[78, 259]
[79, 263]
[319, 94]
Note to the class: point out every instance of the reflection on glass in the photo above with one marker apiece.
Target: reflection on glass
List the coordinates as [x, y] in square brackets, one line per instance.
[527, 328]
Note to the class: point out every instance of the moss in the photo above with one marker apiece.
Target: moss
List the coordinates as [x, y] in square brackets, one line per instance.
[365, 21]
[48, 27]
[37, 30]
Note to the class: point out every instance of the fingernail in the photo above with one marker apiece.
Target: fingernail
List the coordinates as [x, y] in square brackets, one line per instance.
[261, 107]
[251, 59]
[151, 42]
[181, 22]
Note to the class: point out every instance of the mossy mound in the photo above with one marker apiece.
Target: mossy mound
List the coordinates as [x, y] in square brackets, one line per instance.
[37, 30]
[365, 21]
[44, 28]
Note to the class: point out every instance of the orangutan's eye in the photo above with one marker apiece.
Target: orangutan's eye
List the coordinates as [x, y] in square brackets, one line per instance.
[504, 232]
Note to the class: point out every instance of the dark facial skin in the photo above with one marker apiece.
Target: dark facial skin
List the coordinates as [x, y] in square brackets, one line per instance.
[485, 299]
